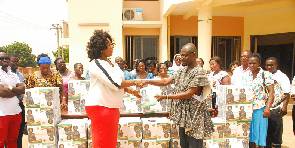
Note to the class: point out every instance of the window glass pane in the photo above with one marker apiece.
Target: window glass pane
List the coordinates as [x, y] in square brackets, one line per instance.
[149, 47]
[137, 47]
[145, 46]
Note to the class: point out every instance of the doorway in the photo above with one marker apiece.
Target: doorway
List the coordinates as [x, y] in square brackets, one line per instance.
[281, 46]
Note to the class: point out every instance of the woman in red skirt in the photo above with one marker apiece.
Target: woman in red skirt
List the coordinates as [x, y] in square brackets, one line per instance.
[106, 90]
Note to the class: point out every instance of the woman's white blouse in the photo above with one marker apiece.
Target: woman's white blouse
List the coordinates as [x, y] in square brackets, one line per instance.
[102, 92]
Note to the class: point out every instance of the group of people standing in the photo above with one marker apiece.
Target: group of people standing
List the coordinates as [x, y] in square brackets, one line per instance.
[12, 89]
[110, 80]
[271, 89]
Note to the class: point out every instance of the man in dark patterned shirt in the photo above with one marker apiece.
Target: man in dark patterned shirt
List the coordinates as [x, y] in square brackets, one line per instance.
[189, 113]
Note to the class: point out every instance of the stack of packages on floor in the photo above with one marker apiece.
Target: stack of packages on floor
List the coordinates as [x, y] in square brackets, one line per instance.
[147, 104]
[73, 133]
[232, 125]
[77, 92]
[42, 115]
[135, 132]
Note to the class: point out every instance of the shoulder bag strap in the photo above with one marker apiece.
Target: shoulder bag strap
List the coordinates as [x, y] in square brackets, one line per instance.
[106, 74]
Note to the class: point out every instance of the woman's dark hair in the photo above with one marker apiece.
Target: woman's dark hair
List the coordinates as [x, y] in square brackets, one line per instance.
[76, 65]
[42, 55]
[150, 63]
[97, 43]
[168, 63]
[201, 60]
[137, 63]
[58, 58]
[217, 60]
[159, 66]
[256, 55]
[236, 62]
[55, 62]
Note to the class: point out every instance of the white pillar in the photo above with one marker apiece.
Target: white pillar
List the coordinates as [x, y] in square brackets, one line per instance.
[163, 41]
[205, 34]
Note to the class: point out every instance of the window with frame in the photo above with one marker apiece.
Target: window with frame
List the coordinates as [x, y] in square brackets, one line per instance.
[141, 47]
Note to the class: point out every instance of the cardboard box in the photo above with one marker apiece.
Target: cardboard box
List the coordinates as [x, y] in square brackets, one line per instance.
[150, 128]
[89, 129]
[49, 135]
[149, 143]
[162, 143]
[134, 144]
[33, 116]
[34, 134]
[73, 130]
[79, 144]
[245, 112]
[230, 130]
[47, 117]
[174, 132]
[175, 143]
[218, 131]
[90, 144]
[164, 126]
[49, 97]
[62, 144]
[77, 93]
[131, 104]
[31, 101]
[121, 144]
[134, 128]
[232, 112]
[243, 129]
[123, 129]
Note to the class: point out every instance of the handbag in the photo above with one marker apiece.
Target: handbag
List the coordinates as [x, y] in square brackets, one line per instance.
[106, 74]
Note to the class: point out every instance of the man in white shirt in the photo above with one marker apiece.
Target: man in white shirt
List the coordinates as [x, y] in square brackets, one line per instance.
[238, 77]
[14, 61]
[10, 117]
[282, 89]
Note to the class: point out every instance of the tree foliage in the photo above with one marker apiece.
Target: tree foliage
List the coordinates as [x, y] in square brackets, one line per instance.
[23, 51]
[63, 52]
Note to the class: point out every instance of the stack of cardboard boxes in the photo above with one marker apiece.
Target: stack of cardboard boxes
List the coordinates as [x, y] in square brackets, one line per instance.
[42, 116]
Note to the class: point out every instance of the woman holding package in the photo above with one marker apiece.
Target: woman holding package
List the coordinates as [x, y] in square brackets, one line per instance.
[106, 90]
[260, 82]
[44, 77]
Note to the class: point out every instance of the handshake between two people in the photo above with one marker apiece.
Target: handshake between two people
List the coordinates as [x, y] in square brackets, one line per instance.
[141, 83]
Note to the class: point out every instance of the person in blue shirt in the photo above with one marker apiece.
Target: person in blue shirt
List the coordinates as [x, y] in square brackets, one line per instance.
[141, 72]
[151, 65]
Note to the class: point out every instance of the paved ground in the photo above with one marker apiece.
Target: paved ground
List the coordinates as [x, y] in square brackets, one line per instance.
[288, 136]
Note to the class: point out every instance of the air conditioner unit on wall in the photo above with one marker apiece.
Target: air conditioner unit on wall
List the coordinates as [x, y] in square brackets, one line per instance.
[132, 14]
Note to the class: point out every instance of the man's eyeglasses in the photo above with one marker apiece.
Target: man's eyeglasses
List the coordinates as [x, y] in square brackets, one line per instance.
[4, 58]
